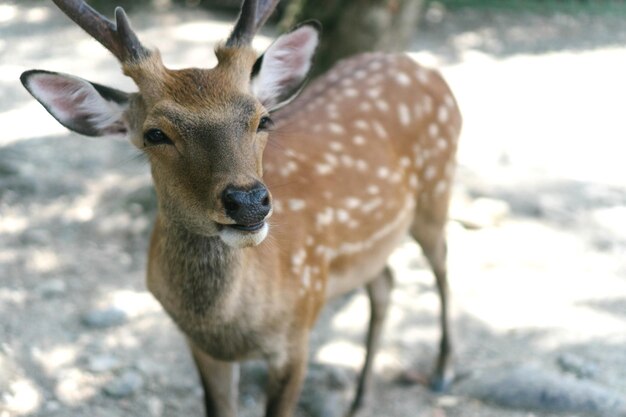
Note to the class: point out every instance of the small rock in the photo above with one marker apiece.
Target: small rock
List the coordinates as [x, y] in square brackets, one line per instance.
[577, 366]
[155, 406]
[52, 406]
[52, 288]
[103, 363]
[338, 379]
[481, 213]
[322, 403]
[447, 401]
[107, 317]
[531, 388]
[124, 385]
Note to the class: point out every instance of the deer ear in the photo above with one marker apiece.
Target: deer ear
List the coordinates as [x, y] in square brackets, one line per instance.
[86, 108]
[280, 72]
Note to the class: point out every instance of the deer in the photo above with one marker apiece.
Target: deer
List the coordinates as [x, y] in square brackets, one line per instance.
[273, 198]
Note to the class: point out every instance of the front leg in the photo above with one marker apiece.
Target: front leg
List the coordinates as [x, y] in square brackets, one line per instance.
[286, 375]
[220, 381]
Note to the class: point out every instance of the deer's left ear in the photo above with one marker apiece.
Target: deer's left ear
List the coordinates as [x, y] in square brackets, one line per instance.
[280, 72]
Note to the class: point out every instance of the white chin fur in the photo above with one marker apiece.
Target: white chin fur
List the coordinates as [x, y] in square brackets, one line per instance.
[240, 239]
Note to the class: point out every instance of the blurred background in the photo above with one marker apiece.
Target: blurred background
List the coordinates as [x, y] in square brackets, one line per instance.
[537, 235]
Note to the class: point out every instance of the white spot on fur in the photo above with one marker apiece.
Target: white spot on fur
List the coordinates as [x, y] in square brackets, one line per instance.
[288, 168]
[374, 93]
[441, 187]
[371, 205]
[430, 172]
[347, 161]
[382, 105]
[380, 130]
[361, 165]
[442, 144]
[347, 82]
[323, 169]
[335, 146]
[396, 177]
[413, 181]
[361, 124]
[422, 76]
[351, 92]
[331, 159]
[443, 114]
[449, 100]
[375, 66]
[306, 277]
[296, 204]
[342, 216]
[383, 172]
[352, 203]
[335, 128]
[358, 140]
[325, 217]
[405, 162]
[373, 189]
[297, 259]
[433, 130]
[403, 79]
[404, 114]
[365, 106]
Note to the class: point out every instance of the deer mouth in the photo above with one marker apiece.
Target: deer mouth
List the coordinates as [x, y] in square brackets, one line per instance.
[243, 235]
[247, 227]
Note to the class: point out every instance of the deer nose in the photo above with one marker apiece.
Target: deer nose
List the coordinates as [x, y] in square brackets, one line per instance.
[247, 207]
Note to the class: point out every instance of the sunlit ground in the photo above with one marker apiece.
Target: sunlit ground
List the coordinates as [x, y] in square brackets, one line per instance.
[537, 241]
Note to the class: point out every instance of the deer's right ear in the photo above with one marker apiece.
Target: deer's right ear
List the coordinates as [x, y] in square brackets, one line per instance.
[86, 108]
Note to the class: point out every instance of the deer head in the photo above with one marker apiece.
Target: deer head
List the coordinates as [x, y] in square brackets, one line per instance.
[203, 130]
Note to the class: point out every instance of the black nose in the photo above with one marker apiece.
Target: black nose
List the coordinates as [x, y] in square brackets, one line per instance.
[247, 207]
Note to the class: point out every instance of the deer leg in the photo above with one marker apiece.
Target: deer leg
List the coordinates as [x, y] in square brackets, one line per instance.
[431, 237]
[220, 381]
[378, 291]
[286, 376]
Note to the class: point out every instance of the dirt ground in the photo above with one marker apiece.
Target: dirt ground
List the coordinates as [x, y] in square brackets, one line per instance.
[537, 237]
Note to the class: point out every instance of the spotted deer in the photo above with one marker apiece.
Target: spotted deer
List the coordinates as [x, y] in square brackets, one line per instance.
[270, 205]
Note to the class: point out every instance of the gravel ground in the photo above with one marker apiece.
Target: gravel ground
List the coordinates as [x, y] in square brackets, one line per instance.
[537, 239]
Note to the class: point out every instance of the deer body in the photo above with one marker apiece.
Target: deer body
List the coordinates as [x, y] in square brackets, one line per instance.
[362, 157]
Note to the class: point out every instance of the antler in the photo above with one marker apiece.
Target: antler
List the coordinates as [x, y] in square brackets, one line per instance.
[253, 15]
[117, 37]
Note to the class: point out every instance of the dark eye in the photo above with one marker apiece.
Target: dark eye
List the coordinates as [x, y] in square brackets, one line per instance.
[265, 123]
[156, 137]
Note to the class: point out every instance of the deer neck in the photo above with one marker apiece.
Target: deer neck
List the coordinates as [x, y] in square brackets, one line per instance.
[196, 273]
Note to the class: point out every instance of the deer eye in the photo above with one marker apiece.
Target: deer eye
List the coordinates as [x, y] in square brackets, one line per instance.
[156, 137]
[265, 123]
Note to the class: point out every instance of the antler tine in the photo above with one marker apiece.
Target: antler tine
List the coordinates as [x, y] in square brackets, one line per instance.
[116, 37]
[243, 32]
[264, 11]
[253, 15]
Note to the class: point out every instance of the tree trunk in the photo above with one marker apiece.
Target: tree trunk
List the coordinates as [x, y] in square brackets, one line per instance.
[353, 26]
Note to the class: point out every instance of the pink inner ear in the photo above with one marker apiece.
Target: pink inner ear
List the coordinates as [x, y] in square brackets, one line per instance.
[295, 41]
[285, 65]
[69, 97]
[77, 104]
[62, 96]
